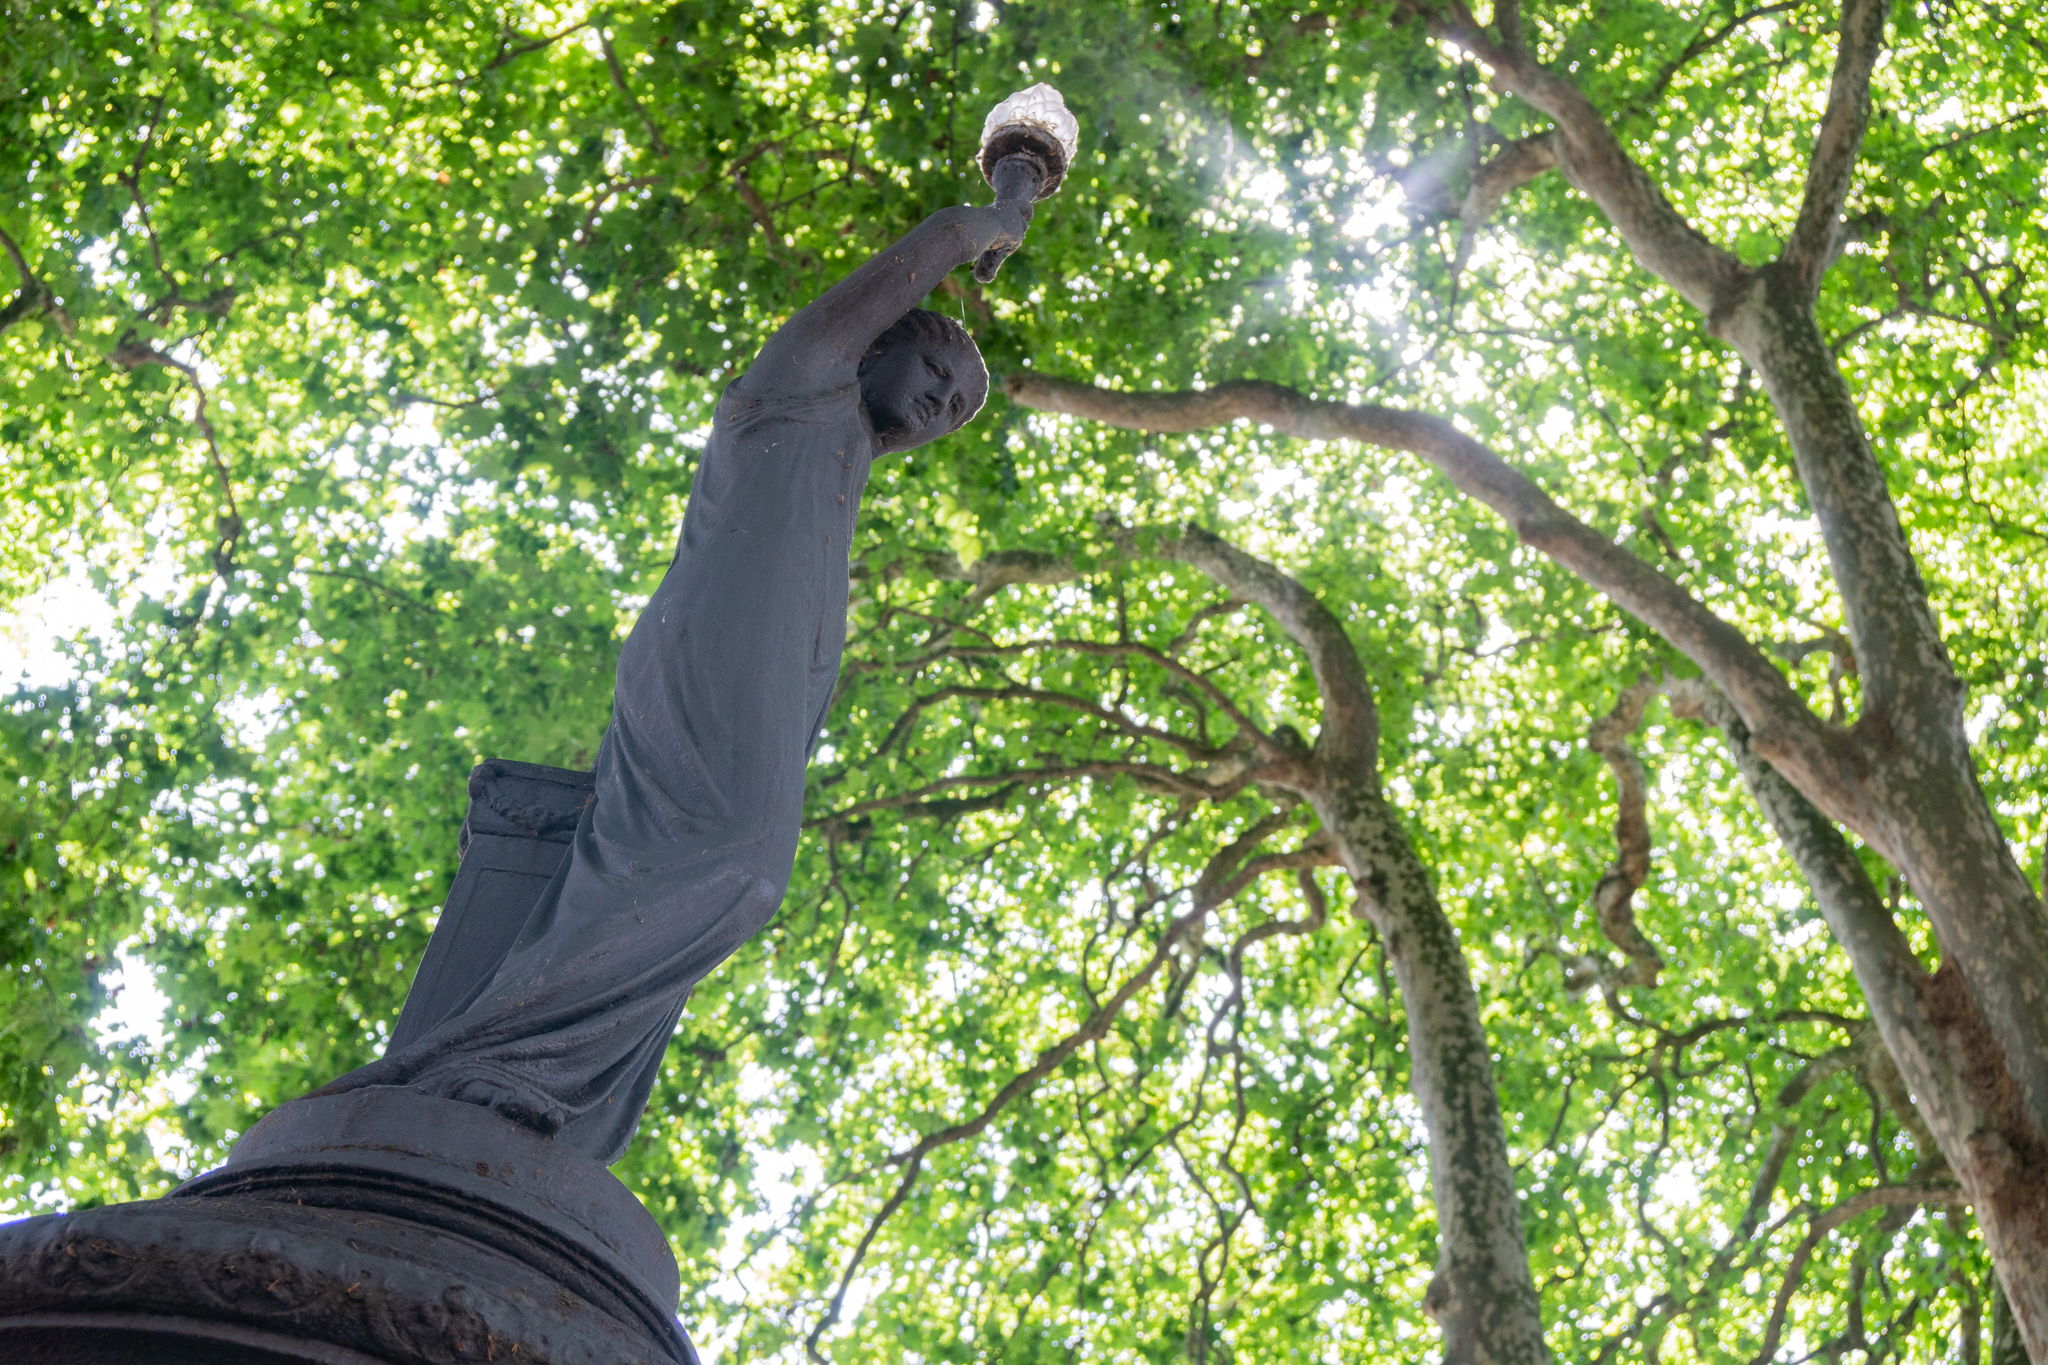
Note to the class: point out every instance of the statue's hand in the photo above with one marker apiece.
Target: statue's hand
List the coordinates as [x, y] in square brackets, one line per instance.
[1007, 220]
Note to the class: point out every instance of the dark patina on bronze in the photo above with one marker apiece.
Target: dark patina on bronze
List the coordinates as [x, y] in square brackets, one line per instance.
[450, 1201]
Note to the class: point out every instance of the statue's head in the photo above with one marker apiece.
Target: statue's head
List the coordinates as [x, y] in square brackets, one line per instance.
[921, 379]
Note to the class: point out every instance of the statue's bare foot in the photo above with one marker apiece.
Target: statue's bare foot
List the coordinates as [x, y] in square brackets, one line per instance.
[498, 1092]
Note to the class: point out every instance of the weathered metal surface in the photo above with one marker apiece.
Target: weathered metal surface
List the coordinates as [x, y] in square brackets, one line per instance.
[347, 1229]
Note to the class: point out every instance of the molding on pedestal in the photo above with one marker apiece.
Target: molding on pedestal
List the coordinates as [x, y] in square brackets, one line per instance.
[343, 1230]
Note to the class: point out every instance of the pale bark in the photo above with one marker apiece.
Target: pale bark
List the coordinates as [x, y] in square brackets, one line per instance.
[1964, 1073]
[1926, 810]
[1920, 803]
[1816, 234]
[1972, 1039]
[1930, 811]
[1482, 1295]
[1931, 1027]
[1821, 754]
[1593, 160]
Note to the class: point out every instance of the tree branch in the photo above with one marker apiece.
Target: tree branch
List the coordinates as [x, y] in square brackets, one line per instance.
[1816, 232]
[1614, 896]
[1825, 1222]
[1228, 871]
[1481, 1295]
[132, 353]
[1000, 569]
[509, 50]
[1316, 851]
[1702, 42]
[1019, 692]
[1429, 182]
[1514, 166]
[1313, 855]
[1108, 648]
[1918, 799]
[1593, 160]
[1507, 21]
[1742, 1240]
[757, 207]
[1895, 986]
[1150, 775]
[618, 75]
[1350, 734]
[1819, 756]
[34, 298]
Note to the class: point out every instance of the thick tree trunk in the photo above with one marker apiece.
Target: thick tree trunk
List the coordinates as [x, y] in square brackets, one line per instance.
[2006, 1187]
[1482, 1295]
[2006, 1346]
[1972, 1040]
[1926, 811]
[1985, 1094]
[1932, 1030]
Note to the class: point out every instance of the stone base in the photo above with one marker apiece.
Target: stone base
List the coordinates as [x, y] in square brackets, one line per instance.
[341, 1232]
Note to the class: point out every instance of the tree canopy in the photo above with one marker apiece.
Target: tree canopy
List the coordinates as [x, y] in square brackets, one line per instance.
[1380, 764]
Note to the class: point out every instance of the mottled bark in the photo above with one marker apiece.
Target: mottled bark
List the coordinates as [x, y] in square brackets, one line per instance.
[1932, 1029]
[1925, 810]
[1910, 787]
[1921, 807]
[1971, 1040]
[1482, 1295]
[1816, 234]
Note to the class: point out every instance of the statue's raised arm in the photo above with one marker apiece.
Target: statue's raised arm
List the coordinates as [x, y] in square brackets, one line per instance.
[920, 374]
[825, 342]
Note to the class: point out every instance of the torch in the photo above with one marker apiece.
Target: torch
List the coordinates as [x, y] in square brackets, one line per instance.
[1027, 143]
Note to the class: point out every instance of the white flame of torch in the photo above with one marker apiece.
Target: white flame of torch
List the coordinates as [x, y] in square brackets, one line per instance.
[1040, 107]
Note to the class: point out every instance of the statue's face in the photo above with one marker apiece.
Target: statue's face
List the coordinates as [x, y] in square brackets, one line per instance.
[916, 390]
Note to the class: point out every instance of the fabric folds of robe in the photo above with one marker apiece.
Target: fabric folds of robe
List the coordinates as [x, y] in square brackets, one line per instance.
[686, 849]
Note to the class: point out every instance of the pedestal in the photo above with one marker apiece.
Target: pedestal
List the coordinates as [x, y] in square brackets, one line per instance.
[345, 1230]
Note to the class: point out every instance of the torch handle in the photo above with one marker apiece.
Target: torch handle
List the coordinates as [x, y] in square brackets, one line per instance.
[989, 262]
[1017, 180]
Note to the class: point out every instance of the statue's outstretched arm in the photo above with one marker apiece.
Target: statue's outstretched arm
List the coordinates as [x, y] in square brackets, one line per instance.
[822, 345]
[1027, 143]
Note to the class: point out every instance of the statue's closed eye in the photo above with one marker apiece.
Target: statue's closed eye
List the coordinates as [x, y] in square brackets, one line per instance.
[936, 370]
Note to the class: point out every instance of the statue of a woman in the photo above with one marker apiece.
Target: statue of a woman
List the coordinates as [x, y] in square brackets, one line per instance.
[687, 846]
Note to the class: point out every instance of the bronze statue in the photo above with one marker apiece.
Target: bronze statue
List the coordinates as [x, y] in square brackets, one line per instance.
[686, 848]
[395, 1214]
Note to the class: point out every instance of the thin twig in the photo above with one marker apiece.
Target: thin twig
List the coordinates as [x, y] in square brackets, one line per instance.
[618, 73]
